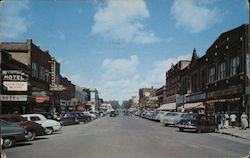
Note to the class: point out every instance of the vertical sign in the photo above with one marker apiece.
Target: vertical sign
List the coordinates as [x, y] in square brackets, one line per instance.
[53, 71]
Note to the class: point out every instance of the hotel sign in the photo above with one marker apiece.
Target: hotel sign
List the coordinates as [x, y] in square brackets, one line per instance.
[13, 98]
[15, 80]
[14, 75]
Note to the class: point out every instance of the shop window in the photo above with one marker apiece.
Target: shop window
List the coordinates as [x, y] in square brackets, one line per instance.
[34, 70]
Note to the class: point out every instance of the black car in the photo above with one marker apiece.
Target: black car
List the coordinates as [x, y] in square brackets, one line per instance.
[198, 123]
[112, 114]
[11, 133]
[70, 118]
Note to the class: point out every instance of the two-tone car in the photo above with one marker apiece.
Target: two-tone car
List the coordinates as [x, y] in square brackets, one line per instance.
[49, 125]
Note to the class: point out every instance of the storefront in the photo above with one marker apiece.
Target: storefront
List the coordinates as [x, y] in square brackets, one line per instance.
[228, 100]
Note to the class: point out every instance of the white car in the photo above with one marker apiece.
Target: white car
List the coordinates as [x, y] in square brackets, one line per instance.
[93, 116]
[160, 115]
[49, 125]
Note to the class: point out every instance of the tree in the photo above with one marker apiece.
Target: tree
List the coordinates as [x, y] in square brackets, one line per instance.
[126, 104]
[114, 103]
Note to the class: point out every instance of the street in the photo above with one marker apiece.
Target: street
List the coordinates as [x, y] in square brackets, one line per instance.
[130, 137]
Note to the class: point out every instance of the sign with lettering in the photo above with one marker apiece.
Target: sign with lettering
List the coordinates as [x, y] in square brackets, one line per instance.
[13, 97]
[14, 75]
[195, 97]
[56, 88]
[15, 86]
[42, 99]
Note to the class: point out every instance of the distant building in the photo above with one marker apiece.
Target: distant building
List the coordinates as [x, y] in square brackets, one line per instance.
[94, 99]
[106, 107]
[135, 101]
[148, 98]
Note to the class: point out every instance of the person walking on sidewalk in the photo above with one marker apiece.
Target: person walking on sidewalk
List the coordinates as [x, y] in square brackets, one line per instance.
[222, 120]
[233, 118]
[226, 124]
[244, 123]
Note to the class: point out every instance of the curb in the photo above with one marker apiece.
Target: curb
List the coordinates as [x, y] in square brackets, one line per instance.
[233, 135]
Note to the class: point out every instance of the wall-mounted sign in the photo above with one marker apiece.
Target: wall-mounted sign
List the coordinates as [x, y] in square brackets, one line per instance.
[56, 88]
[15, 86]
[42, 99]
[13, 97]
[14, 75]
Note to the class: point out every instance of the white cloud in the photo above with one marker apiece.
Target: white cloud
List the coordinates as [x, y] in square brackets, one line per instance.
[122, 20]
[120, 68]
[13, 23]
[195, 15]
[156, 76]
[120, 78]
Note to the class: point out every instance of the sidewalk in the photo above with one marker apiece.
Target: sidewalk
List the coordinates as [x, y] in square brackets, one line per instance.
[236, 132]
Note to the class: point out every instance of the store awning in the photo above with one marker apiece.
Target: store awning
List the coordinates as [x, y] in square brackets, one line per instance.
[169, 106]
[196, 105]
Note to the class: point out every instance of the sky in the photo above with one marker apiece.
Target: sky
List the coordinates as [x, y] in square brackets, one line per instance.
[119, 46]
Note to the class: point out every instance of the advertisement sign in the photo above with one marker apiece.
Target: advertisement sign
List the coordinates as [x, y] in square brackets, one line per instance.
[13, 97]
[15, 86]
[42, 99]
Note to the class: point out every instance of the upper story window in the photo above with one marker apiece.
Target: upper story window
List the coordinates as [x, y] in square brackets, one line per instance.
[47, 75]
[222, 71]
[42, 73]
[203, 78]
[194, 80]
[211, 74]
[234, 66]
[34, 70]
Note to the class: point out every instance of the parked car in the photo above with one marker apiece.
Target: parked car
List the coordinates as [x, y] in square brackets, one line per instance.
[154, 114]
[68, 119]
[91, 114]
[11, 133]
[161, 115]
[49, 125]
[112, 114]
[172, 118]
[3, 155]
[49, 115]
[198, 123]
[33, 129]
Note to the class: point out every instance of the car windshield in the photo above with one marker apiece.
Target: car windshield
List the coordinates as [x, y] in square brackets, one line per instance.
[125, 78]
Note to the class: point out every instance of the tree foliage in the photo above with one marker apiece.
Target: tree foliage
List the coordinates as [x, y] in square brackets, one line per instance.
[114, 103]
[126, 104]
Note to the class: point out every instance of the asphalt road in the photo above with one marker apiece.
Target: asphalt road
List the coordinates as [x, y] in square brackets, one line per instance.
[130, 137]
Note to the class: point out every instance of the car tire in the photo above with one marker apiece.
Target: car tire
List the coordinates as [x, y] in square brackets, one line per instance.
[198, 130]
[76, 120]
[3, 155]
[181, 129]
[165, 124]
[8, 142]
[30, 135]
[48, 130]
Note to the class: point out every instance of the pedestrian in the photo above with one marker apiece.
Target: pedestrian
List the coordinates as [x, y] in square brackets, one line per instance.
[219, 120]
[244, 123]
[233, 118]
[222, 120]
[226, 123]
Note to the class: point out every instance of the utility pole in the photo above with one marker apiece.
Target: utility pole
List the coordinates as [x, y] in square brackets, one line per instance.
[247, 67]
